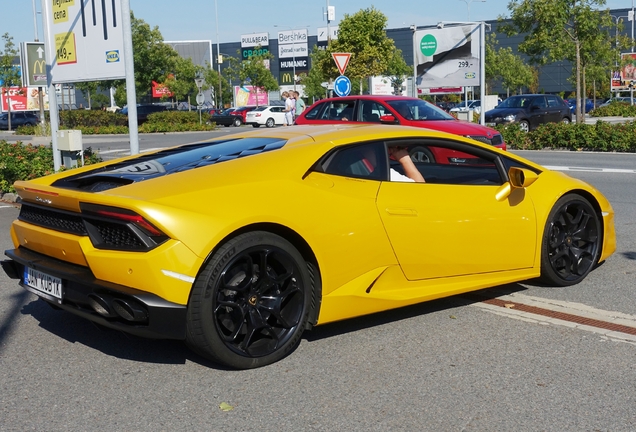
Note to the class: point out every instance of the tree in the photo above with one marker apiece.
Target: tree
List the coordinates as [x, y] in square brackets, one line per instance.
[181, 83]
[314, 79]
[396, 70]
[9, 75]
[561, 29]
[153, 61]
[503, 65]
[88, 88]
[372, 52]
[212, 81]
[254, 71]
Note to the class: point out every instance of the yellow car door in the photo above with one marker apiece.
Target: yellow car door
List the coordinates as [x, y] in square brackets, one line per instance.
[454, 225]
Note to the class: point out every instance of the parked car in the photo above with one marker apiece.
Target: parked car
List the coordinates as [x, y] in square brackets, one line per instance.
[622, 99]
[18, 118]
[241, 277]
[587, 105]
[234, 116]
[529, 111]
[144, 110]
[474, 105]
[266, 115]
[396, 110]
[225, 118]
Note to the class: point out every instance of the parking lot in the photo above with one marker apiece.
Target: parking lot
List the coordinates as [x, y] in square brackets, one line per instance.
[456, 364]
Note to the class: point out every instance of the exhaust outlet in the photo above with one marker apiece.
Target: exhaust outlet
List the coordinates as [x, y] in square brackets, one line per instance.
[129, 310]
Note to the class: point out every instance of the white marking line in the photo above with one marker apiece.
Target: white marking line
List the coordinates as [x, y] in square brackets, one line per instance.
[5, 206]
[127, 151]
[571, 308]
[589, 169]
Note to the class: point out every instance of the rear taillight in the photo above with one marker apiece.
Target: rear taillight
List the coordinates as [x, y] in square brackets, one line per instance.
[120, 229]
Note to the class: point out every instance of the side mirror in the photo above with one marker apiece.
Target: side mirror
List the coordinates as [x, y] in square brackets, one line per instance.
[519, 178]
[389, 118]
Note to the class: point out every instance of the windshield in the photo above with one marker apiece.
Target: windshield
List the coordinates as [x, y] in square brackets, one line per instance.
[417, 109]
[516, 102]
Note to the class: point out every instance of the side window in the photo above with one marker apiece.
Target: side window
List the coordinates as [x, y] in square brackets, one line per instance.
[315, 111]
[451, 162]
[367, 161]
[539, 102]
[370, 111]
[338, 111]
[553, 101]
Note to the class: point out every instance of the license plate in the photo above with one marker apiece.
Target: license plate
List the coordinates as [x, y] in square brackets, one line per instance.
[46, 285]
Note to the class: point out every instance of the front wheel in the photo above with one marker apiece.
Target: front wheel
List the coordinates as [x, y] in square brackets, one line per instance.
[571, 243]
[565, 120]
[422, 154]
[524, 126]
[256, 125]
[250, 304]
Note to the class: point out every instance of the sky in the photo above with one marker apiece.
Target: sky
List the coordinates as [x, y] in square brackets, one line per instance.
[196, 19]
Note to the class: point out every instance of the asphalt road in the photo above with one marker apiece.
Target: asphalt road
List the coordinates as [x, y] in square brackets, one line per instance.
[448, 365]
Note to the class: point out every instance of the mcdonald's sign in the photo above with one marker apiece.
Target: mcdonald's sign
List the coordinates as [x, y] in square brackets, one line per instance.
[286, 78]
[33, 64]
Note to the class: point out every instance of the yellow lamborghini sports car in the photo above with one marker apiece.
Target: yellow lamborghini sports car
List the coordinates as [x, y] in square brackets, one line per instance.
[239, 244]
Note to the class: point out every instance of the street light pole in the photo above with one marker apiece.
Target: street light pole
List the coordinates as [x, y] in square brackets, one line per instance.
[218, 54]
[414, 86]
[468, 2]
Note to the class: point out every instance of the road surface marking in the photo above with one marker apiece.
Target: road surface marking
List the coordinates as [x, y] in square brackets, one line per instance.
[590, 169]
[613, 325]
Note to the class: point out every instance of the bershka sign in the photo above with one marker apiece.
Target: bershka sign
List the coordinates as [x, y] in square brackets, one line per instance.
[254, 39]
[292, 36]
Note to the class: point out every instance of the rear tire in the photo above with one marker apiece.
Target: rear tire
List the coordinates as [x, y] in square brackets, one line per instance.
[250, 304]
[270, 123]
[422, 154]
[572, 241]
[237, 122]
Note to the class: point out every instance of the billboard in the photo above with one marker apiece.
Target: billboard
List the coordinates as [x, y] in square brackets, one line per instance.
[255, 39]
[621, 79]
[448, 56]
[23, 99]
[247, 95]
[84, 40]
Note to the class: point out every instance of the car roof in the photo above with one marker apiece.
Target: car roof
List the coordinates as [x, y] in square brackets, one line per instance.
[371, 97]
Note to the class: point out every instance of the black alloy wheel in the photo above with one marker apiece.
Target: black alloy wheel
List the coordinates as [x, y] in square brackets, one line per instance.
[571, 241]
[250, 305]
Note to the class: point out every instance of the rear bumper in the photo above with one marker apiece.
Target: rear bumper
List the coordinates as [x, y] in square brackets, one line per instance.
[111, 305]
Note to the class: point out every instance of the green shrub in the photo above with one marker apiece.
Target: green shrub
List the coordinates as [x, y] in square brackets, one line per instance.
[25, 162]
[75, 119]
[620, 109]
[601, 136]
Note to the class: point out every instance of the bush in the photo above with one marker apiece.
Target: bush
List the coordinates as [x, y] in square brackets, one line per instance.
[26, 162]
[601, 136]
[620, 109]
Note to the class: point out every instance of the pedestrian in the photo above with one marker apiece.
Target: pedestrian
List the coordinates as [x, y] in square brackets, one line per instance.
[290, 105]
[300, 104]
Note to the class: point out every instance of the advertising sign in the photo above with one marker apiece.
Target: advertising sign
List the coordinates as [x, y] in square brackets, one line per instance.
[621, 79]
[160, 90]
[247, 95]
[85, 40]
[23, 99]
[298, 64]
[293, 50]
[448, 56]
[254, 39]
[33, 63]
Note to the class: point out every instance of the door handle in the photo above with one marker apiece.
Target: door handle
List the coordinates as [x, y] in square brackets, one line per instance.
[401, 211]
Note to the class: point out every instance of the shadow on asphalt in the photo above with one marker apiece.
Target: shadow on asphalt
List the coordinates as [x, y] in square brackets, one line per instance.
[121, 345]
[114, 343]
[407, 312]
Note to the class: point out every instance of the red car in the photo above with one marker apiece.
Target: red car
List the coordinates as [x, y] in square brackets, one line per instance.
[399, 110]
[242, 112]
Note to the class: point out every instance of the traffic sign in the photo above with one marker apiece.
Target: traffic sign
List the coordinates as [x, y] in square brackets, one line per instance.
[199, 82]
[200, 98]
[33, 64]
[342, 86]
[342, 60]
